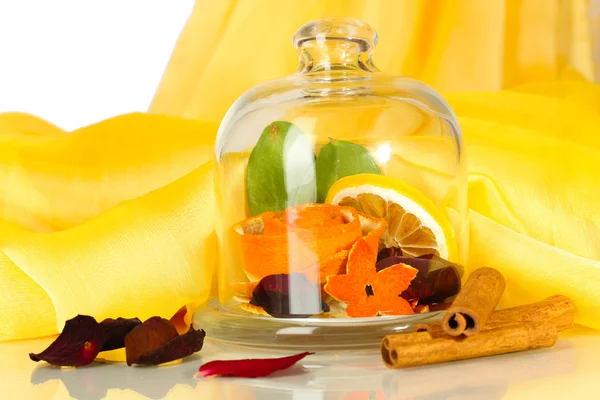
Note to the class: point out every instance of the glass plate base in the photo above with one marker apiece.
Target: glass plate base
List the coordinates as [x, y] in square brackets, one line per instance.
[229, 326]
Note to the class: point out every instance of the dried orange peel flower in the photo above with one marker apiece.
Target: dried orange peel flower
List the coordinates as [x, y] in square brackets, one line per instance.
[370, 293]
[310, 238]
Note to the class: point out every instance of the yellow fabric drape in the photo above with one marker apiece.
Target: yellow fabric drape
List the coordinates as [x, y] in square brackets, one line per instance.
[453, 45]
[113, 219]
[117, 218]
[533, 157]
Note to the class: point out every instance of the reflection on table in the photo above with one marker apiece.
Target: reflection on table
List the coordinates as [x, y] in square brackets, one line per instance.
[357, 376]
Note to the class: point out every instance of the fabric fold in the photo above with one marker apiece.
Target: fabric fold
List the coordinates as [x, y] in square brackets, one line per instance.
[53, 182]
[535, 270]
[69, 195]
[465, 45]
[144, 257]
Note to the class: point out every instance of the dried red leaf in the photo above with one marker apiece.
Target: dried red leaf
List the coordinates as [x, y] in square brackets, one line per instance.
[145, 338]
[249, 368]
[275, 294]
[78, 344]
[182, 346]
[115, 331]
[437, 280]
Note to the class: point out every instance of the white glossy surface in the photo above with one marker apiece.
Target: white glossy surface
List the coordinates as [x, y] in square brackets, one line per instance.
[570, 370]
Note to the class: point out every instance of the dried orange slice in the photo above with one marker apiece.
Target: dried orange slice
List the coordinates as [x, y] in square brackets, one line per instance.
[414, 223]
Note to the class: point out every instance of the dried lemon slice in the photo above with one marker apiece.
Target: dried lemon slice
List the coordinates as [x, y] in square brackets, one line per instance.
[414, 223]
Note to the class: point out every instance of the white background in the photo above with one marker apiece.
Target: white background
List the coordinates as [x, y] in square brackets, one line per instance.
[75, 62]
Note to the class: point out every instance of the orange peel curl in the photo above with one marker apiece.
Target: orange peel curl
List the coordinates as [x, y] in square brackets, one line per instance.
[311, 238]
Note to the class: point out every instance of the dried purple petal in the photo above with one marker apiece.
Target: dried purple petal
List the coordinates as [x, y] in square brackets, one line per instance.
[389, 252]
[421, 264]
[156, 341]
[434, 287]
[78, 344]
[288, 296]
[436, 281]
[250, 368]
[145, 338]
[182, 346]
[115, 331]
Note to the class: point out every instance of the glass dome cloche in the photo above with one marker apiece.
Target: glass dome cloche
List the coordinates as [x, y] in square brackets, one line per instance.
[342, 201]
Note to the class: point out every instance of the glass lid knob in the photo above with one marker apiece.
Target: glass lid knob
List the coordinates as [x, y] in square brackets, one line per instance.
[330, 44]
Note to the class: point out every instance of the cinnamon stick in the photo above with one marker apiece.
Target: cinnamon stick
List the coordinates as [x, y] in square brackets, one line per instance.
[509, 339]
[400, 339]
[475, 303]
[558, 310]
[434, 329]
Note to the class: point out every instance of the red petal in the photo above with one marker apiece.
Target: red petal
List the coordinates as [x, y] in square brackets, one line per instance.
[250, 368]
